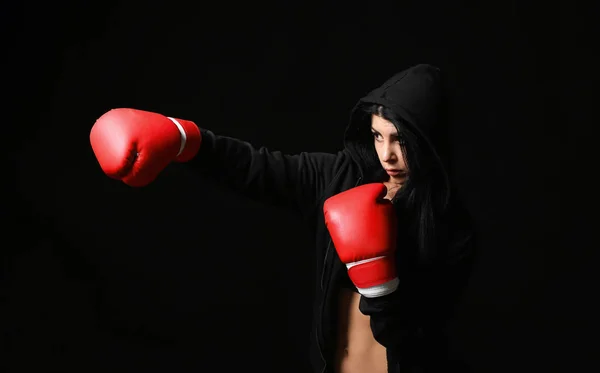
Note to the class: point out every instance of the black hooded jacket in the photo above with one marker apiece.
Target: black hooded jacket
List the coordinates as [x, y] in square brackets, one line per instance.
[402, 321]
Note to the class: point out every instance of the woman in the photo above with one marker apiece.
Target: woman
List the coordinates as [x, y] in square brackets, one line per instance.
[392, 139]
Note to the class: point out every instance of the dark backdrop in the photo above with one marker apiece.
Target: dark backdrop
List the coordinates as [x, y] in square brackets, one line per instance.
[182, 275]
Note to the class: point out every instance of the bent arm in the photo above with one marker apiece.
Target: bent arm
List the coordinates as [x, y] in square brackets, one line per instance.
[411, 322]
[272, 177]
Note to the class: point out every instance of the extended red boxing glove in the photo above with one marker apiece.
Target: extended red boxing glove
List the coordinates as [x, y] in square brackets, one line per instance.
[362, 226]
[135, 146]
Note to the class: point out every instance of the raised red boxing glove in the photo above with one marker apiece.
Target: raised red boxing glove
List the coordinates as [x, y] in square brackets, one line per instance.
[135, 146]
[362, 226]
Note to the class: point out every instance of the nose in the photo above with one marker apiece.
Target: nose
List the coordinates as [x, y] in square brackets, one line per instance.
[388, 153]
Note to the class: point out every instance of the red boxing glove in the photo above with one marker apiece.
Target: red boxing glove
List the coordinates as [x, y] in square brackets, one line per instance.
[135, 146]
[363, 229]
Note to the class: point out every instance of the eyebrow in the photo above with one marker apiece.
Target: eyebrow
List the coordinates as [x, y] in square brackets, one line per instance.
[396, 134]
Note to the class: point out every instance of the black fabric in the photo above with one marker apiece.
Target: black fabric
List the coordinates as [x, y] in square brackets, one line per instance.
[304, 181]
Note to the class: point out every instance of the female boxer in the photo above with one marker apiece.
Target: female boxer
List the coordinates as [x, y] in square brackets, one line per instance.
[392, 242]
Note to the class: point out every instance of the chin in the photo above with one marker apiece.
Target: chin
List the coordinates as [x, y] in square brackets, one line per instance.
[399, 179]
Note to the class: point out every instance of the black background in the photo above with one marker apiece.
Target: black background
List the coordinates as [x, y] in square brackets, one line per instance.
[183, 276]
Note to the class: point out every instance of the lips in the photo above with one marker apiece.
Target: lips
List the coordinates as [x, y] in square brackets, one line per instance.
[394, 172]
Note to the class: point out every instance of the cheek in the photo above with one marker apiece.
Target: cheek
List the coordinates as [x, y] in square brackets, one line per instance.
[379, 150]
[401, 159]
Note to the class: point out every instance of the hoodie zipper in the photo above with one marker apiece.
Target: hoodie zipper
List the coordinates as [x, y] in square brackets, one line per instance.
[319, 334]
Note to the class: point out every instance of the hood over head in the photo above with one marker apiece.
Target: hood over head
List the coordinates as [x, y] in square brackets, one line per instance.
[435, 225]
[415, 97]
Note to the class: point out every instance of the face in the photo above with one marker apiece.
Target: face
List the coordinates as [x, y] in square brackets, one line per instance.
[389, 149]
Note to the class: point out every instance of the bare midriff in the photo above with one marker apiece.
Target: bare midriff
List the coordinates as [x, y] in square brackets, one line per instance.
[357, 349]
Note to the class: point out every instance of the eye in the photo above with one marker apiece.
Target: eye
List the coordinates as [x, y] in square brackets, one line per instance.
[376, 135]
[400, 140]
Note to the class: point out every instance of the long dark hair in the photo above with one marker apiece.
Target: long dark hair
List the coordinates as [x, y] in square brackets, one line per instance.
[424, 197]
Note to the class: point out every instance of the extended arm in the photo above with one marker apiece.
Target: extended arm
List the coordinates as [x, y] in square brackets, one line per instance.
[267, 176]
[135, 146]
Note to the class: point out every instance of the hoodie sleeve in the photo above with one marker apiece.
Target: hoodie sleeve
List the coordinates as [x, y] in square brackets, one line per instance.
[292, 181]
[411, 322]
